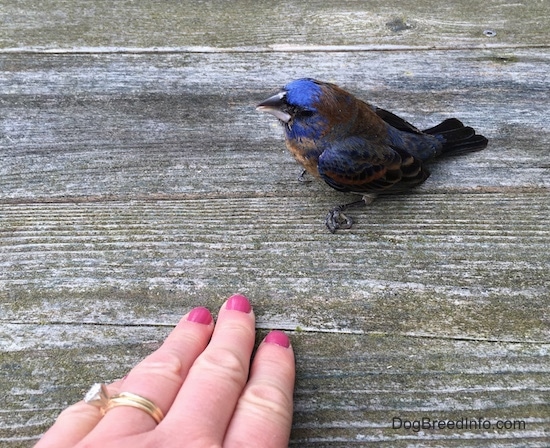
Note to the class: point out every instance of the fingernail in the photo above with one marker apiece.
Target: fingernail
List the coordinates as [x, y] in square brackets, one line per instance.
[238, 302]
[279, 338]
[200, 315]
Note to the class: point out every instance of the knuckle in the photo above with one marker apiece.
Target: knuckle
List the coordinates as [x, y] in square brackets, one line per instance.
[166, 364]
[225, 363]
[269, 399]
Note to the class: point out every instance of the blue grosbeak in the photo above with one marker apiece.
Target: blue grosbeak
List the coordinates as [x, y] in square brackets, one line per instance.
[359, 148]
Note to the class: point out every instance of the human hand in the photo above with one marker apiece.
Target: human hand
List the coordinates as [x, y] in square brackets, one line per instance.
[202, 381]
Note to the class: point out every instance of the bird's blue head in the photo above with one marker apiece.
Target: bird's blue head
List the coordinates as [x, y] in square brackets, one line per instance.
[295, 106]
[303, 93]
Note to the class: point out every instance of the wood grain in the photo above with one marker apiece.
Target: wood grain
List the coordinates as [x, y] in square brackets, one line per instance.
[264, 25]
[138, 181]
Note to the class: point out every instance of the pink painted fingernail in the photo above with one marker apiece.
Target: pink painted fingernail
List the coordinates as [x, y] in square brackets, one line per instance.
[238, 302]
[279, 338]
[200, 315]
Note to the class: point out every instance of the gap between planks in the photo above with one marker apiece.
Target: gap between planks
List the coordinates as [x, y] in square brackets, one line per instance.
[276, 48]
[299, 330]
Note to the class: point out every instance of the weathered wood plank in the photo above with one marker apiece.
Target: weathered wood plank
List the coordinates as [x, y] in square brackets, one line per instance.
[349, 389]
[414, 265]
[127, 125]
[260, 25]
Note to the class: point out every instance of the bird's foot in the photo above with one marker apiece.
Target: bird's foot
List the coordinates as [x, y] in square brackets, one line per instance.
[303, 177]
[336, 219]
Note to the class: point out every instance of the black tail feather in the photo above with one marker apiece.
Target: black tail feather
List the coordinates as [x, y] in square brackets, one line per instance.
[457, 138]
[448, 125]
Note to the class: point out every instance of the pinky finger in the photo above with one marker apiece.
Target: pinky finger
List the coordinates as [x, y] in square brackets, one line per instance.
[263, 416]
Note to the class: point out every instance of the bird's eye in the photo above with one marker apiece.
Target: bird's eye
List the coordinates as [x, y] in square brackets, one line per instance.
[305, 113]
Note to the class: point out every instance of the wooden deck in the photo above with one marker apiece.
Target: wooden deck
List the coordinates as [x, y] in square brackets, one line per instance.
[138, 181]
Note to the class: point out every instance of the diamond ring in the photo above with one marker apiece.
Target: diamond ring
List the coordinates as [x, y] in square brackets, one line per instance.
[98, 396]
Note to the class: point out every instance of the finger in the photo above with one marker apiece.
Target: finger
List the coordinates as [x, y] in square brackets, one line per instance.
[158, 377]
[73, 424]
[263, 416]
[208, 397]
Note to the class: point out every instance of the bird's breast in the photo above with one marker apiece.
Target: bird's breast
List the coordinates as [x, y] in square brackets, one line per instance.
[306, 154]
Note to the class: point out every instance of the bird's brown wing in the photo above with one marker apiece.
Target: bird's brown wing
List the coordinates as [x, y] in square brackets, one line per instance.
[396, 122]
[359, 167]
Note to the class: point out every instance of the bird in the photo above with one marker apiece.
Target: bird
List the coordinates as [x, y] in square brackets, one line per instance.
[359, 148]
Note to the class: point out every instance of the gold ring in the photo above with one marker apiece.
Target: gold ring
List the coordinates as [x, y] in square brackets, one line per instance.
[135, 401]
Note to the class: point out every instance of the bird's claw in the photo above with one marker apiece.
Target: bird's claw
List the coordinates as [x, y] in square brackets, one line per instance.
[303, 177]
[336, 219]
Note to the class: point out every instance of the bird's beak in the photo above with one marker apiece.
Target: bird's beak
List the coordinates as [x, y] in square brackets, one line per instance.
[275, 106]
